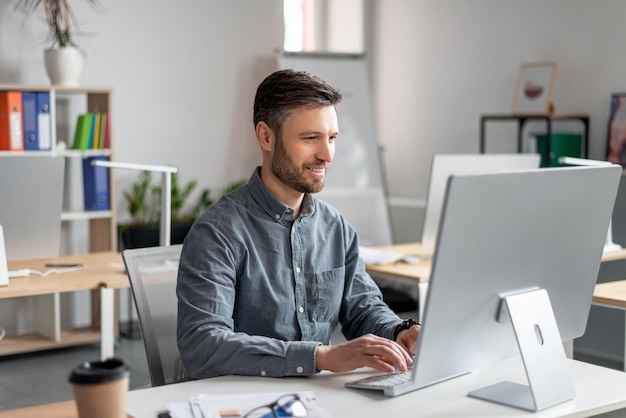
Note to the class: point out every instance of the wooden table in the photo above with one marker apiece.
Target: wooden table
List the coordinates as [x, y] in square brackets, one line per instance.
[102, 273]
[65, 409]
[419, 274]
[610, 294]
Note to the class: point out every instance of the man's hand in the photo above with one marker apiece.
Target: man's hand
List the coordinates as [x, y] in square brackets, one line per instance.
[366, 351]
[408, 338]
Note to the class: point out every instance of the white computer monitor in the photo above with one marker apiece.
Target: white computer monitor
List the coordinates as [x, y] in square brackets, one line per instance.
[516, 239]
[514, 270]
[31, 190]
[443, 165]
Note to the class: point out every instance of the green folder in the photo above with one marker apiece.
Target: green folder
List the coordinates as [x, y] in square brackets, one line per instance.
[561, 145]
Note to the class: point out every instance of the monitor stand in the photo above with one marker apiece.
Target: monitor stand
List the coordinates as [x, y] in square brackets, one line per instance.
[542, 352]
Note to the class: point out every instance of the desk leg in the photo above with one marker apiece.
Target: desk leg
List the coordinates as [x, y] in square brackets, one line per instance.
[423, 290]
[107, 329]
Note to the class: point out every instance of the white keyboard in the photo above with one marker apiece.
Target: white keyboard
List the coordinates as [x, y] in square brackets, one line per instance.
[382, 381]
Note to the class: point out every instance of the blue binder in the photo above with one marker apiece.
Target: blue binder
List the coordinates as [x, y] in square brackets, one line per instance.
[96, 184]
[29, 121]
[44, 128]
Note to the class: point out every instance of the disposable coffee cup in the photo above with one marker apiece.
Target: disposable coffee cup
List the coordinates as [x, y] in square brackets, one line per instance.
[100, 388]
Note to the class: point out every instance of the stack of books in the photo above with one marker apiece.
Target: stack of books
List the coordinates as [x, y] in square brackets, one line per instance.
[92, 131]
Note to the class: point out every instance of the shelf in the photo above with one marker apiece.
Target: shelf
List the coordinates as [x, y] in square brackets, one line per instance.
[26, 343]
[99, 232]
[521, 121]
[85, 153]
[86, 215]
[58, 89]
[64, 153]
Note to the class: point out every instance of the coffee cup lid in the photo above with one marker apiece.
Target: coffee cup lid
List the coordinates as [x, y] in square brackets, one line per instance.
[99, 372]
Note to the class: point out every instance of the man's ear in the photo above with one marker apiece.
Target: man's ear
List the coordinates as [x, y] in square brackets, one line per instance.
[265, 136]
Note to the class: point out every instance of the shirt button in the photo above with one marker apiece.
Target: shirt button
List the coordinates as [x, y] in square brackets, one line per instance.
[298, 269]
[277, 216]
[263, 372]
[300, 309]
[299, 369]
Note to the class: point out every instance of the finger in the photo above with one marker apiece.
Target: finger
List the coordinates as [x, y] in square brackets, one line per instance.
[390, 353]
[401, 351]
[380, 364]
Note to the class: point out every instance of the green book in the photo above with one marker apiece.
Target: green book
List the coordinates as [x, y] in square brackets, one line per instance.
[83, 130]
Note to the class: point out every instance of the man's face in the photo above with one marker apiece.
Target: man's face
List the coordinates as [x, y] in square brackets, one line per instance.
[306, 148]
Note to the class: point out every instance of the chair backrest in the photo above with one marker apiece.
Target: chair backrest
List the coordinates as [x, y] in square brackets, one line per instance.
[152, 272]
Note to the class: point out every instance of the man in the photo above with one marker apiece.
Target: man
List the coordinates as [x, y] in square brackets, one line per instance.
[268, 271]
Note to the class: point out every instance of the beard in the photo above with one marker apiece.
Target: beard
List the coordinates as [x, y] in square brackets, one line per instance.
[290, 174]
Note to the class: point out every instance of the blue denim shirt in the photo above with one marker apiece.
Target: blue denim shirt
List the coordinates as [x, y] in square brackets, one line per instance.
[258, 291]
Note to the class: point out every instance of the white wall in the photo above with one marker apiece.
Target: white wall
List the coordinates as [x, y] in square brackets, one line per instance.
[438, 65]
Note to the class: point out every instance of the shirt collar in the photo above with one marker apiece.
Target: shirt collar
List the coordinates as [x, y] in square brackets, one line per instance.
[272, 206]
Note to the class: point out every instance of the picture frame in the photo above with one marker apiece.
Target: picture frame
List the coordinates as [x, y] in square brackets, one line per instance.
[616, 129]
[533, 90]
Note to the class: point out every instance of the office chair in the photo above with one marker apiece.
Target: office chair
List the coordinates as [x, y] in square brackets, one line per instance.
[397, 300]
[152, 273]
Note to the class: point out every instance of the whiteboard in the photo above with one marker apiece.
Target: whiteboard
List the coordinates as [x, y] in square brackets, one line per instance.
[357, 160]
[356, 168]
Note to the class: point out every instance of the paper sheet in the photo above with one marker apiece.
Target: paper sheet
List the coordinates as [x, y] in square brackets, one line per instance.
[237, 405]
[373, 256]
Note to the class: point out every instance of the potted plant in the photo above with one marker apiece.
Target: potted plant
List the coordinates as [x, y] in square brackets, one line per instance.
[143, 202]
[63, 58]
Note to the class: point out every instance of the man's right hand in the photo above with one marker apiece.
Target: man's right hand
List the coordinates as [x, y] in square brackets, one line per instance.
[366, 351]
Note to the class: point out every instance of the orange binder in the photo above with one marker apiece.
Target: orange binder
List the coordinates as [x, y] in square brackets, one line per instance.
[11, 135]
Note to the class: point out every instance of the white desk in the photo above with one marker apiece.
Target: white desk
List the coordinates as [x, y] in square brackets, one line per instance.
[598, 390]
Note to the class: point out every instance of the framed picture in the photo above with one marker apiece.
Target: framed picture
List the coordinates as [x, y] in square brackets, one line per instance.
[533, 91]
[616, 130]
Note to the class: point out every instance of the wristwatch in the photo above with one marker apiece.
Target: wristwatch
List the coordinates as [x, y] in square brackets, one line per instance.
[406, 324]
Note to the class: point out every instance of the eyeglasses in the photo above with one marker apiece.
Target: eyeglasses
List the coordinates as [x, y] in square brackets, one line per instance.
[286, 406]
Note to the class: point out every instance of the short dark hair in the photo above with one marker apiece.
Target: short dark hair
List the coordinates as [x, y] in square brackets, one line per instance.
[285, 90]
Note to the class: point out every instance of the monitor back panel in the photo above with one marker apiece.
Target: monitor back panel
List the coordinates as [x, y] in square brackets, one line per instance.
[503, 233]
[31, 190]
[443, 165]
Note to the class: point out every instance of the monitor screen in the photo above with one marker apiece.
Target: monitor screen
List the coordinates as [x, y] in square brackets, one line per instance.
[504, 234]
[443, 165]
[31, 189]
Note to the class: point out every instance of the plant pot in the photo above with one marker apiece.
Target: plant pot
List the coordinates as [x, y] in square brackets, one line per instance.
[64, 66]
[141, 236]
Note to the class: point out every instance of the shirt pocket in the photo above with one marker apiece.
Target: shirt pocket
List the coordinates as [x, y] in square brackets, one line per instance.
[328, 293]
